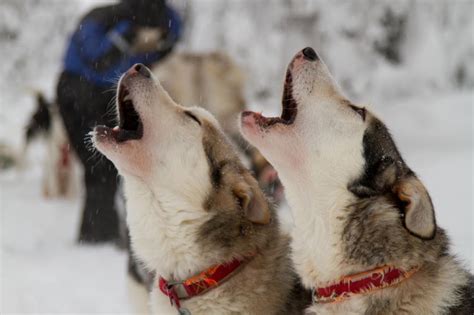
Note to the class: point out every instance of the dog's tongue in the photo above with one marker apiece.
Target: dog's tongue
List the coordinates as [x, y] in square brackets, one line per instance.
[117, 133]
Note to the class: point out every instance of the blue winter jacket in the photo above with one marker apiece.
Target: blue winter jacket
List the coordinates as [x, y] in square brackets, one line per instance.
[95, 53]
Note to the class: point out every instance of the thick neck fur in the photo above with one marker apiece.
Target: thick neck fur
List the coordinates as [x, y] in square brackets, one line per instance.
[163, 228]
[317, 194]
[316, 205]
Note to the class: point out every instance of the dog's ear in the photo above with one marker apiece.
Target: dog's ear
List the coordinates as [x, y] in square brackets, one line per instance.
[252, 201]
[419, 217]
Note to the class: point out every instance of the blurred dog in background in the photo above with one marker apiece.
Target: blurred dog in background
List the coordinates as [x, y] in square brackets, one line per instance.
[59, 174]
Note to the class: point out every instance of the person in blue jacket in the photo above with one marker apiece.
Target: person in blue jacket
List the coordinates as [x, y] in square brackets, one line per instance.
[99, 51]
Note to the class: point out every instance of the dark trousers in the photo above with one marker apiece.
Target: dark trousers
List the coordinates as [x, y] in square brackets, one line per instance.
[83, 106]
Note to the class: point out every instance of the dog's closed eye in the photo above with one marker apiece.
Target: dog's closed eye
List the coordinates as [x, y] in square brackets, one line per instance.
[359, 110]
[193, 117]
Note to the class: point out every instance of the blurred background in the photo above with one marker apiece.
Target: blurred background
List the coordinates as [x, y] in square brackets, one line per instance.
[411, 62]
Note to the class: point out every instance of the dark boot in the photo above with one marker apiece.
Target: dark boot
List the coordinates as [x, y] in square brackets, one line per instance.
[100, 219]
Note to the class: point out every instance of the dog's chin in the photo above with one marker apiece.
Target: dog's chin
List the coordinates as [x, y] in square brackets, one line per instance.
[129, 157]
[116, 144]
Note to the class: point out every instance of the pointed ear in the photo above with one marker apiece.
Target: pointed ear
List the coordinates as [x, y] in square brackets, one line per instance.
[252, 201]
[419, 217]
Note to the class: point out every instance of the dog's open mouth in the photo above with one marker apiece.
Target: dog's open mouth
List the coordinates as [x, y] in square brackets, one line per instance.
[289, 107]
[130, 126]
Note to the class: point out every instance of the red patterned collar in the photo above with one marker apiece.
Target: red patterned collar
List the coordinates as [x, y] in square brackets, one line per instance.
[200, 283]
[361, 283]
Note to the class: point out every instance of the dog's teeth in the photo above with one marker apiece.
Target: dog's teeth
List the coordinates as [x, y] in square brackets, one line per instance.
[127, 98]
[116, 128]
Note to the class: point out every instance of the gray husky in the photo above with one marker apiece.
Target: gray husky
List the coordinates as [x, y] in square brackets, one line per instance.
[196, 215]
[365, 238]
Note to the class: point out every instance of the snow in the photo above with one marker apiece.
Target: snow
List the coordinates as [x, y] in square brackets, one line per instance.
[426, 100]
[43, 268]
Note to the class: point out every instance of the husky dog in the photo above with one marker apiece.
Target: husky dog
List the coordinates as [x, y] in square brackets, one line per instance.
[365, 236]
[194, 210]
[59, 174]
[214, 81]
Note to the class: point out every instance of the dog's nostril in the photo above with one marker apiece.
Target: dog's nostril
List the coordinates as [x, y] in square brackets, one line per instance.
[142, 70]
[310, 54]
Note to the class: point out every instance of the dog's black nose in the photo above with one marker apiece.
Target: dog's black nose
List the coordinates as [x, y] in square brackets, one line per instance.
[143, 70]
[310, 54]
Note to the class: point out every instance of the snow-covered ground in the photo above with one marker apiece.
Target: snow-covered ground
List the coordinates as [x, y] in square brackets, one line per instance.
[43, 270]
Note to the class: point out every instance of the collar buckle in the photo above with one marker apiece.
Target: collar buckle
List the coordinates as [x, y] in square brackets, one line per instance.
[168, 289]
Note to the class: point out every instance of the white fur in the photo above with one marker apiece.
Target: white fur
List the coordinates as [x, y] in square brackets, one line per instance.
[163, 228]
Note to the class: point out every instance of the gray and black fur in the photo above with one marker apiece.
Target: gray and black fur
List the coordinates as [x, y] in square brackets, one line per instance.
[375, 234]
[232, 234]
